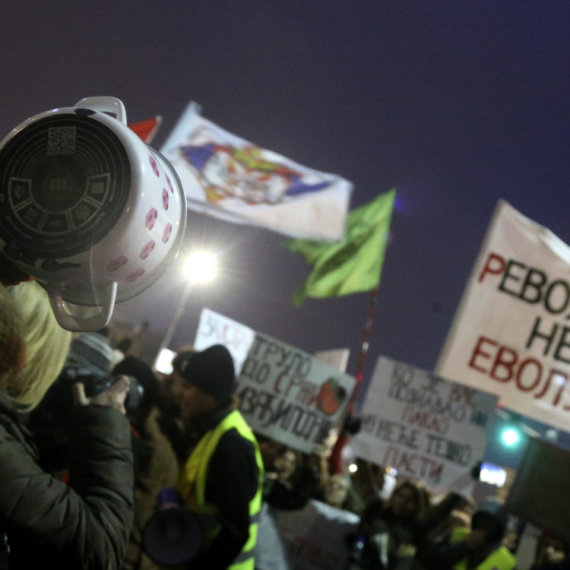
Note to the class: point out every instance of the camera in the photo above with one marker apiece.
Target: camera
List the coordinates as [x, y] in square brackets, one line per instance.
[95, 384]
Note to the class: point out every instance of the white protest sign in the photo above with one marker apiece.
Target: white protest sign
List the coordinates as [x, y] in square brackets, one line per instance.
[217, 329]
[314, 537]
[290, 396]
[424, 426]
[511, 334]
[336, 357]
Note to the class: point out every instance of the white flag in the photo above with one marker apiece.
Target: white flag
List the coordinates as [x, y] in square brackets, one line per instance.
[233, 179]
[511, 334]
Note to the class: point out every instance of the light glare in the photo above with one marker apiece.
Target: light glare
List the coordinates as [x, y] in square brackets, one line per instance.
[510, 437]
[201, 267]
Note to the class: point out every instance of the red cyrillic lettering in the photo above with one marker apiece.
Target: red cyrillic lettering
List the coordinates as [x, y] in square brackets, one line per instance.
[538, 374]
[477, 351]
[495, 265]
[505, 363]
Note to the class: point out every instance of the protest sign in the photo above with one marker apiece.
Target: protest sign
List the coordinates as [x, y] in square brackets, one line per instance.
[290, 396]
[336, 357]
[228, 177]
[424, 426]
[214, 328]
[511, 334]
[314, 537]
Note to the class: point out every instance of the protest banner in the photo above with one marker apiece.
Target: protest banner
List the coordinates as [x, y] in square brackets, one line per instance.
[290, 396]
[230, 178]
[424, 426]
[313, 538]
[511, 334]
[214, 328]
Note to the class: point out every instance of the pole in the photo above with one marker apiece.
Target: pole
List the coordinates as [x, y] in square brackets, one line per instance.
[364, 347]
[335, 458]
[176, 319]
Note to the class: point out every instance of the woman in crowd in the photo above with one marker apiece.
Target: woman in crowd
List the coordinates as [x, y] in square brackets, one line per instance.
[389, 533]
[45, 522]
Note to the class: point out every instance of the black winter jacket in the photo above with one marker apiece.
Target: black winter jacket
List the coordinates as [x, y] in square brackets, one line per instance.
[80, 525]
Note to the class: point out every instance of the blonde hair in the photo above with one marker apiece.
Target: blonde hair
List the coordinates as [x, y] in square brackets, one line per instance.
[12, 349]
[46, 345]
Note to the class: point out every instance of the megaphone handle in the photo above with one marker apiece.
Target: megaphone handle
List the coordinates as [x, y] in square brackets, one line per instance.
[110, 105]
[62, 311]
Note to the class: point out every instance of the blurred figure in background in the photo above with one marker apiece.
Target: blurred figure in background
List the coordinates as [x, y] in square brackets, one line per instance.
[157, 466]
[478, 547]
[390, 532]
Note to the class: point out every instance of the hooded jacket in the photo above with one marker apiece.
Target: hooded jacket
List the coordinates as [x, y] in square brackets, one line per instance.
[80, 525]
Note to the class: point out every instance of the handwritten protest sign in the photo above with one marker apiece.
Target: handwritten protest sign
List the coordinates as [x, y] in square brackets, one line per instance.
[284, 393]
[511, 334]
[289, 395]
[424, 426]
[217, 329]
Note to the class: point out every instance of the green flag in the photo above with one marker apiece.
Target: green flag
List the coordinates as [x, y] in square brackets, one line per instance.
[352, 265]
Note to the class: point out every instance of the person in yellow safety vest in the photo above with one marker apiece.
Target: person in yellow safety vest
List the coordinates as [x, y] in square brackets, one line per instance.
[477, 548]
[222, 479]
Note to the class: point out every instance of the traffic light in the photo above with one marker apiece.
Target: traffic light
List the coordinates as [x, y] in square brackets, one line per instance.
[510, 436]
[511, 431]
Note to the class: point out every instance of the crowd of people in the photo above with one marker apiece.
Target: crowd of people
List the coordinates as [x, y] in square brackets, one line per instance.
[91, 437]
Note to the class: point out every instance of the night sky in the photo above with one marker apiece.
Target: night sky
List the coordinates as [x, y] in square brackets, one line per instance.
[456, 104]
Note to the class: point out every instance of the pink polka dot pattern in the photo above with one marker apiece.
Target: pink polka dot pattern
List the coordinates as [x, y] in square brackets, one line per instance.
[164, 199]
[166, 233]
[151, 219]
[169, 182]
[153, 165]
[117, 263]
[135, 275]
[147, 249]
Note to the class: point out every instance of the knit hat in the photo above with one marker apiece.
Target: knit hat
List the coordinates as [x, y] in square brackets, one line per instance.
[211, 370]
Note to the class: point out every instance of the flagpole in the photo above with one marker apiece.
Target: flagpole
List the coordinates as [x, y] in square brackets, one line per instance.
[364, 347]
[335, 458]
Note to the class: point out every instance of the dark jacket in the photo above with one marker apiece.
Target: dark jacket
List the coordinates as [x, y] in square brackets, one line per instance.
[80, 525]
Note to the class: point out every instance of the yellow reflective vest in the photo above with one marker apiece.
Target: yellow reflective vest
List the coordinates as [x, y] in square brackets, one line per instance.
[500, 559]
[192, 487]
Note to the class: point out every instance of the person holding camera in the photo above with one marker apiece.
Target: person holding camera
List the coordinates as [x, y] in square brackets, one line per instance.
[44, 522]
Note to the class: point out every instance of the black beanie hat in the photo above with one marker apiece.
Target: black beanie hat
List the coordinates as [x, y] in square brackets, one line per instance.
[211, 370]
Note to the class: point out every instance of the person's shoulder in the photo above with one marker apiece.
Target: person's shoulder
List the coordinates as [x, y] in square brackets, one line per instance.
[234, 441]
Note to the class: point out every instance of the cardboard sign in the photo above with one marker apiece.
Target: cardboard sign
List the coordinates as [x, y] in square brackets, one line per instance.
[217, 329]
[290, 396]
[424, 426]
[314, 537]
[285, 394]
[511, 334]
[337, 357]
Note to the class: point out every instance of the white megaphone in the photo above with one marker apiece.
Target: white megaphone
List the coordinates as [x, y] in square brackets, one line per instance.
[87, 209]
[174, 534]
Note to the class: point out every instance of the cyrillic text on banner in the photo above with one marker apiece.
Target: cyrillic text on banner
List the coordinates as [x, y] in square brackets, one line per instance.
[424, 426]
[511, 334]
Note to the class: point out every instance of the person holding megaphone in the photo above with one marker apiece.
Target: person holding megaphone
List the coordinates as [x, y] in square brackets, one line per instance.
[221, 483]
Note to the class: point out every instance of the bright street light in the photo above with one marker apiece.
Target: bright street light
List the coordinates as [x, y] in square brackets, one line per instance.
[201, 267]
